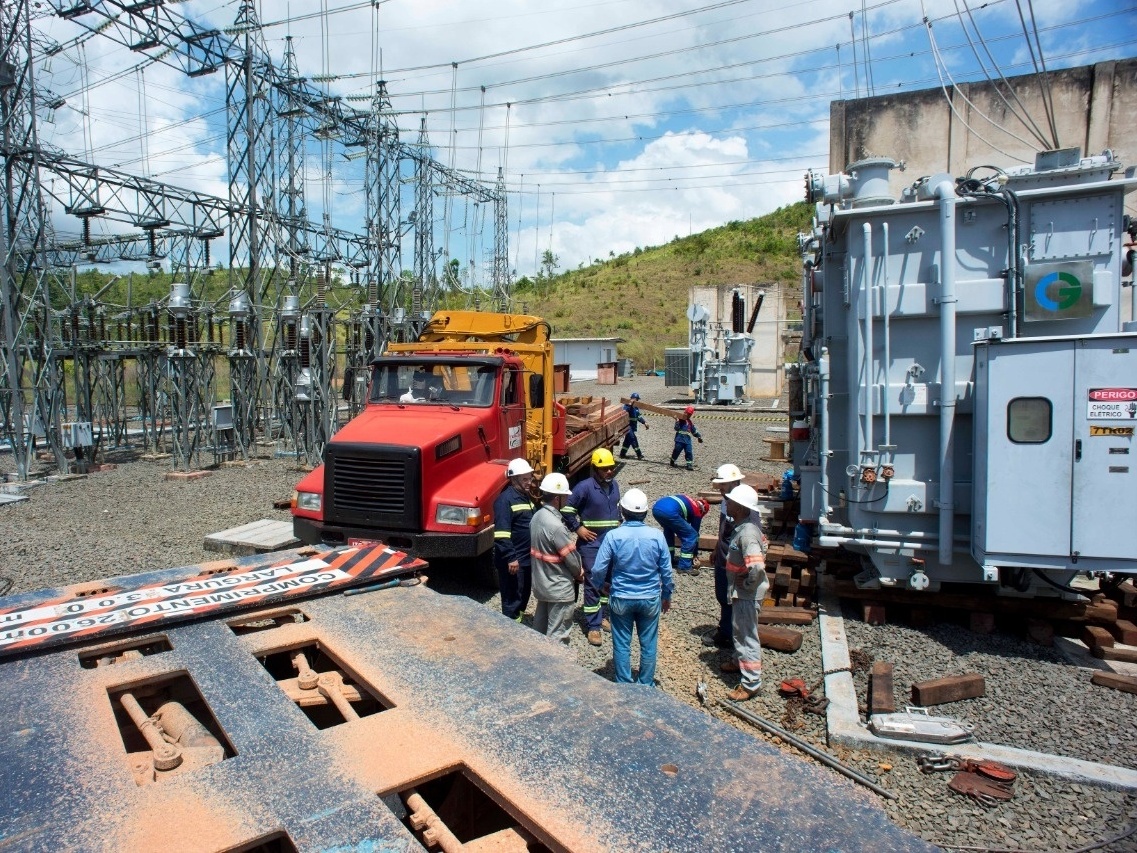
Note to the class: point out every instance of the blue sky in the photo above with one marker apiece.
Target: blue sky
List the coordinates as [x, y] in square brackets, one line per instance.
[619, 124]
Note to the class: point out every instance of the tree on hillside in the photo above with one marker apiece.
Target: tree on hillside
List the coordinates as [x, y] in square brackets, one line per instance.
[549, 265]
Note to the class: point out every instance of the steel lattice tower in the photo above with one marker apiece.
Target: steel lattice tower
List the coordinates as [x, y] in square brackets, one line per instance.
[26, 326]
[501, 283]
[424, 297]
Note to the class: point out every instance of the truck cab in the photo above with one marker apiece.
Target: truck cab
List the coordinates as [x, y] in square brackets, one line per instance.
[420, 467]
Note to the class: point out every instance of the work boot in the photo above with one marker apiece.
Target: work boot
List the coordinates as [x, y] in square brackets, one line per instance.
[672, 464]
[690, 466]
[713, 639]
[594, 638]
[639, 455]
[605, 625]
[741, 694]
[623, 454]
[729, 666]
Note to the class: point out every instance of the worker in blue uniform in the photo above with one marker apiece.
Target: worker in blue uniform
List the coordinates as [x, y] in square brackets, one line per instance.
[726, 478]
[512, 512]
[635, 418]
[680, 516]
[685, 430]
[591, 512]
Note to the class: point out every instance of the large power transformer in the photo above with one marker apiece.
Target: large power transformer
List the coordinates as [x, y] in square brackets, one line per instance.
[966, 402]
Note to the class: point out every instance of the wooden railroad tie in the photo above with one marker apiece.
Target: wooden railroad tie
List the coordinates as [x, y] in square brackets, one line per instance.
[882, 700]
[953, 688]
[1124, 683]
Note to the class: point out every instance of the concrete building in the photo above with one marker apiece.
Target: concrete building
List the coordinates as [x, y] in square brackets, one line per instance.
[973, 125]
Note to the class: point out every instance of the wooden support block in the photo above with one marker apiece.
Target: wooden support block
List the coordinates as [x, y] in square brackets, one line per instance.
[778, 638]
[950, 689]
[782, 577]
[874, 614]
[982, 622]
[1128, 591]
[1124, 683]
[786, 600]
[1115, 653]
[1124, 631]
[1096, 637]
[1040, 631]
[785, 616]
[920, 617]
[808, 579]
[795, 585]
[797, 557]
[708, 543]
[881, 697]
[1103, 611]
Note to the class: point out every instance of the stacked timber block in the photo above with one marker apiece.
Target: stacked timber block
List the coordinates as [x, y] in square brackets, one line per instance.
[581, 413]
[793, 577]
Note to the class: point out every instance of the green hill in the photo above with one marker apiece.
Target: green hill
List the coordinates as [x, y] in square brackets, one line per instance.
[642, 296]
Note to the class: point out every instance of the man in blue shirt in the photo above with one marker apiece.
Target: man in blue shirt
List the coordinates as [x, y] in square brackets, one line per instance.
[640, 587]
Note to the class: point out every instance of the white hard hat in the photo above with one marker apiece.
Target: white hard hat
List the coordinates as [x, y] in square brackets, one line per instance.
[555, 484]
[634, 501]
[744, 495]
[727, 473]
[518, 467]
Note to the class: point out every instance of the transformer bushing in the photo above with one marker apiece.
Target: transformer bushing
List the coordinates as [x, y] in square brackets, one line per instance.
[242, 373]
[185, 380]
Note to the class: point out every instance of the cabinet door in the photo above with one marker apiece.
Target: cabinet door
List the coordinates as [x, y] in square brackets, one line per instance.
[1105, 471]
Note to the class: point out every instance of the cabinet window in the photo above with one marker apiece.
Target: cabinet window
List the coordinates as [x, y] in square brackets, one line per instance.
[1029, 420]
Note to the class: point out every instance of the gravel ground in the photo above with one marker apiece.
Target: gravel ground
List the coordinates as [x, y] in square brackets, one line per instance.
[130, 519]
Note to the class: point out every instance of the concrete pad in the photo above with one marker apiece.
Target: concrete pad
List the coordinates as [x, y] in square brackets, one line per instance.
[256, 537]
[11, 499]
[186, 475]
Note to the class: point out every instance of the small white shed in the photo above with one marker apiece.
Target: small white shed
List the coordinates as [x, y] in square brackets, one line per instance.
[583, 354]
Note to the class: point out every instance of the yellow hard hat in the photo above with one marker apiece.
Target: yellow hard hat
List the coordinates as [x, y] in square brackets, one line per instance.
[602, 458]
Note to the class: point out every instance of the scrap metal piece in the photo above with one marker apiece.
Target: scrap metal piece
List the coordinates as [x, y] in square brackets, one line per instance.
[918, 724]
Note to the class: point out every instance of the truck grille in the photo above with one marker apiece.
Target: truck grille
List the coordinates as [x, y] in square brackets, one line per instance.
[373, 485]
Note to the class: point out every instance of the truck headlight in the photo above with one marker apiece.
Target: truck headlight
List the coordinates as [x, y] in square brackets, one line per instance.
[311, 501]
[467, 516]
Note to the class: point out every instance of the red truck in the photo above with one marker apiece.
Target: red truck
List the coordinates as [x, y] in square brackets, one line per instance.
[420, 467]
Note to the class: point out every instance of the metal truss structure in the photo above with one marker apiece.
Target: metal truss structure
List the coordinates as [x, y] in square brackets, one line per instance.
[276, 333]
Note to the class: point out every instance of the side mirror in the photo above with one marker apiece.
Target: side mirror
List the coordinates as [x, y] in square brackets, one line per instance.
[536, 391]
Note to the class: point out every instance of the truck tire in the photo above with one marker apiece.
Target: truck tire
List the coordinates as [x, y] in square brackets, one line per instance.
[485, 572]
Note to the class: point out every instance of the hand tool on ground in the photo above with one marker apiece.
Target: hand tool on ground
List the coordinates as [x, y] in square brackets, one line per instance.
[824, 757]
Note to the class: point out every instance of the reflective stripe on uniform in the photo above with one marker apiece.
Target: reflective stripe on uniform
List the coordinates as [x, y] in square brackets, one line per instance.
[593, 609]
[541, 555]
[521, 507]
[594, 523]
[502, 534]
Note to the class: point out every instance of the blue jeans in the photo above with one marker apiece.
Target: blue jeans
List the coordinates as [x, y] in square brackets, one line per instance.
[643, 613]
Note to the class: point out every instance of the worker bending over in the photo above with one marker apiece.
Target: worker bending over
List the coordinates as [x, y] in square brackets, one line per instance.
[633, 560]
[680, 516]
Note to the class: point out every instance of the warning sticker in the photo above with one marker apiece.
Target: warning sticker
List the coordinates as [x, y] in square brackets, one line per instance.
[1100, 410]
[71, 617]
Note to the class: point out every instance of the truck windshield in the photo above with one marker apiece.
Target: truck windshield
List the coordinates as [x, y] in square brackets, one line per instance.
[431, 382]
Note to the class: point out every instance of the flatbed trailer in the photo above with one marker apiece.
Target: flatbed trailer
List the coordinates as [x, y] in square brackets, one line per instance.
[314, 700]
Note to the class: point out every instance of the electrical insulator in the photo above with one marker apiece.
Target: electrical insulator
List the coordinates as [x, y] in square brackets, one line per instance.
[868, 475]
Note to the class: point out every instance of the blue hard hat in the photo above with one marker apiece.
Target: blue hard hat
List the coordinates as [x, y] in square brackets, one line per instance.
[634, 396]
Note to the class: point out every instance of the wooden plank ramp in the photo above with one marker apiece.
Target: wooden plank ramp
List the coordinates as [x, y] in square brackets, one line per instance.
[256, 537]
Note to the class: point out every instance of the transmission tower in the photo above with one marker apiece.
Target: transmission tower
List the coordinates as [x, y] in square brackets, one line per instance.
[26, 329]
[501, 283]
